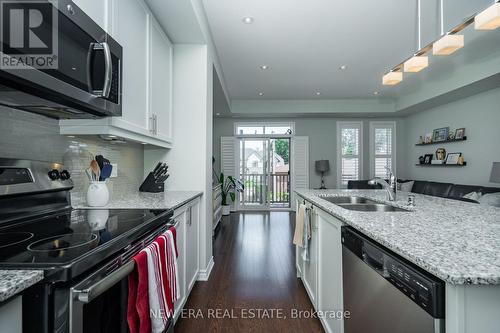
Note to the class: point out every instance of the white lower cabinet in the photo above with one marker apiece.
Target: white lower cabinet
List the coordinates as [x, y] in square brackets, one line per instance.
[330, 297]
[179, 221]
[310, 272]
[322, 273]
[192, 253]
[186, 219]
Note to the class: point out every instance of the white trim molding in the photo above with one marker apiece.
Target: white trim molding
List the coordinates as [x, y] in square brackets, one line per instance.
[204, 274]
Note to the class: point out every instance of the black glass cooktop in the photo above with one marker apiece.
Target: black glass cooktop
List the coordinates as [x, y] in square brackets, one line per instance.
[60, 239]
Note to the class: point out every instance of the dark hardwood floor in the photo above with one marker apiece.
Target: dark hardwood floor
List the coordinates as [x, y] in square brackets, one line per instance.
[254, 271]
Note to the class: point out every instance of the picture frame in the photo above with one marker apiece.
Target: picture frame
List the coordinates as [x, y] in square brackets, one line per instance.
[440, 134]
[428, 158]
[428, 138]
[453, 158]
[459, 134]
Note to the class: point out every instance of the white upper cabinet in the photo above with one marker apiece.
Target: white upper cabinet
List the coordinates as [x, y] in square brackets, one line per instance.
[130, 26]
[161, 57]
[97, 10]
[146, 78]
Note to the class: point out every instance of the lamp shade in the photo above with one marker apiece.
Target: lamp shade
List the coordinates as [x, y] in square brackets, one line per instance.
[322, 166]
[495, 173]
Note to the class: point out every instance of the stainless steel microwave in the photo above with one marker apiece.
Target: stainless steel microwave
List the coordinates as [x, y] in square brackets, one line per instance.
[86, 80]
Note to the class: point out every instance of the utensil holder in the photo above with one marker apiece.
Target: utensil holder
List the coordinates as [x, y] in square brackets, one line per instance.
[150, 185]
[97, 194]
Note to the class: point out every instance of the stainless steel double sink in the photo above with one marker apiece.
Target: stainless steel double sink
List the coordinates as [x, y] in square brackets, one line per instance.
[362, 204]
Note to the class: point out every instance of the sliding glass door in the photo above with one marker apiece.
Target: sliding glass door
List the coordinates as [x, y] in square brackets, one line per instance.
[253, 166]
[265, 170]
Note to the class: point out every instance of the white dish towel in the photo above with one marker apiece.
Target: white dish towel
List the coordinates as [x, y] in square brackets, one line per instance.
[302, 233]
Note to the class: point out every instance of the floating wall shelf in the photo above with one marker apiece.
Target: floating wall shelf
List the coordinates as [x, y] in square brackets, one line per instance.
[440, 142]
[442, 165]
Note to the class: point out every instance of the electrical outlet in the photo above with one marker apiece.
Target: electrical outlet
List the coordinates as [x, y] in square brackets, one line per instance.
[114, 172]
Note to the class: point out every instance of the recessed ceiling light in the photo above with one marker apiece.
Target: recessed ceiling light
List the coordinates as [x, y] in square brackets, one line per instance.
[71, 136]
[376, 93]
[248, 20]
[112, 136]
[318, 93]
[217, 114]
[343, 67]
[261, 94]
[264, 67]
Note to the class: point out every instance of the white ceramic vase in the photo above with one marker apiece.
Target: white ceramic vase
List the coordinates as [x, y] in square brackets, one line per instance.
[97, 194]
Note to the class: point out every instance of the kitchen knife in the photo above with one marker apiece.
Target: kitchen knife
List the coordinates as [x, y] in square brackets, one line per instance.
[163, 173]
[157, 167]
[163, 168]
[162, 178]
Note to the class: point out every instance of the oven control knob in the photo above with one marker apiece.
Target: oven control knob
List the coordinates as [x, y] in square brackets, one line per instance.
[65, 175]
[54, 174]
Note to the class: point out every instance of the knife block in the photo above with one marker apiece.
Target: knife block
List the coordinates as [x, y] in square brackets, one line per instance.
[150, 185]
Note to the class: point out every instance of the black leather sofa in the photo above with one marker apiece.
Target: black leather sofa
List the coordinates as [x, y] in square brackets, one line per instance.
[443, 190]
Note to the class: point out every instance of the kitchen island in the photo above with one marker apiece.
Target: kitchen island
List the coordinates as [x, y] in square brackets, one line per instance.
[455, 241]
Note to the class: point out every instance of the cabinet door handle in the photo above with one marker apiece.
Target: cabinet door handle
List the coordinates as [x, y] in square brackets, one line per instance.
[151, 124]
[155, 117]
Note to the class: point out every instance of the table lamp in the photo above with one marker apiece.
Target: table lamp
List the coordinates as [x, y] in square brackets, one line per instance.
[322, 166]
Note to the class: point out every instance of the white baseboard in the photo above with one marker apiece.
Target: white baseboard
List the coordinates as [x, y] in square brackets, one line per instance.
[204, 274]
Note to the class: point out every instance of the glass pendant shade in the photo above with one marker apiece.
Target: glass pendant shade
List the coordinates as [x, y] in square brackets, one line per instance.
[416, 64]
[448, 45]
[392, 78]
[488, 19]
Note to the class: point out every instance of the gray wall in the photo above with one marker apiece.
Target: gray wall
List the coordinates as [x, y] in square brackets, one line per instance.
[322, 142]
[480, 115]
[29, 136]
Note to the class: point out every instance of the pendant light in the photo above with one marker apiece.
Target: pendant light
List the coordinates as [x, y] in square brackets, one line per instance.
[488, 19]
[418, 61]
[449, 43]
[392, 78]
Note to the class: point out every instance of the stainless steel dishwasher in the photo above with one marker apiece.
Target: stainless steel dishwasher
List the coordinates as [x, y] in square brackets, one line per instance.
[384, 293]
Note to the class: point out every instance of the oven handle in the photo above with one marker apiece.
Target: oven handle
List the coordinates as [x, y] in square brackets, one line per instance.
[90, 293]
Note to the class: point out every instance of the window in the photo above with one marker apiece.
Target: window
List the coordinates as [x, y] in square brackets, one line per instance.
[382, 148]
[350, 152]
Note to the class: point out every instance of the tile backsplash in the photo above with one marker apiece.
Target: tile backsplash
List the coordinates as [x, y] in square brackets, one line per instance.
[30, 136]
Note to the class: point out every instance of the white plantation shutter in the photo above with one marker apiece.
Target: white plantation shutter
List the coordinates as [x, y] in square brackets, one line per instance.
[382, 148]
[228, 157]
[350, 152]
[300, 165]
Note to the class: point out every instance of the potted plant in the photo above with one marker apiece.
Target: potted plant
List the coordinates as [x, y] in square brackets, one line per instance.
[230, 186]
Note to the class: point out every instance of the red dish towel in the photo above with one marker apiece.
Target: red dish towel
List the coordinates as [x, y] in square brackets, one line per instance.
[138, 299]
[174, 235]
[161, 310]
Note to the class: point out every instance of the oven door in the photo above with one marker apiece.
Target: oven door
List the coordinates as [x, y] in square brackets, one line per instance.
[99, 303]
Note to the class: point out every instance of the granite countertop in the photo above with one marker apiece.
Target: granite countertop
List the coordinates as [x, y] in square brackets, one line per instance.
[456, 241]
[142, 200]
[13, 282]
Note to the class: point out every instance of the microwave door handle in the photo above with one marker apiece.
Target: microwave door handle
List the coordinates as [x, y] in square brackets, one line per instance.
[89, 63]
[88, 294]
[108, 70]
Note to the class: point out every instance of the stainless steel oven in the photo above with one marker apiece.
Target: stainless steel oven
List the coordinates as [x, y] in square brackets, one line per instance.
[85, 83]
[98, 303]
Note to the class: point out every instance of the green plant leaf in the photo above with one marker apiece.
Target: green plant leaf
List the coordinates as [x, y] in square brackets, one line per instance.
[233, 196]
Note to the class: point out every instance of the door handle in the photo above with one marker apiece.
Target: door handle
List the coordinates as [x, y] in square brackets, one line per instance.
[108, 69]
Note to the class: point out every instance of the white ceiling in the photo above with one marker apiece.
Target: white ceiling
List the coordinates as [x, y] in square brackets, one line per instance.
[305, 42]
